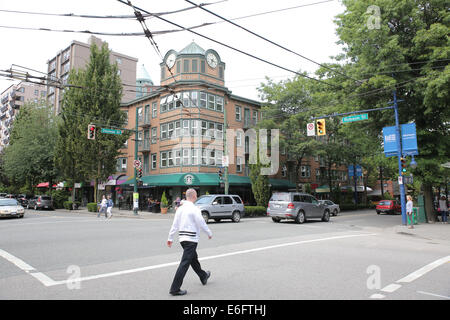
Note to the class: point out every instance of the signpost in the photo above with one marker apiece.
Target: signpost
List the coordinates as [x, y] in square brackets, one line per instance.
[357, 117]
[311, 129]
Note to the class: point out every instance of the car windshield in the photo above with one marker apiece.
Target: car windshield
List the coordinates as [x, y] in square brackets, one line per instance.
[384, 203]
[8, 202]
[280, 197]
[203, 200]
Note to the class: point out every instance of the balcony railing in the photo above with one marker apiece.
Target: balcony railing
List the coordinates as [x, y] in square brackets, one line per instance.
[144, 145]
[144, 121]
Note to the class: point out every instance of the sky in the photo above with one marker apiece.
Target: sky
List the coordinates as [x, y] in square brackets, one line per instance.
[309, 31]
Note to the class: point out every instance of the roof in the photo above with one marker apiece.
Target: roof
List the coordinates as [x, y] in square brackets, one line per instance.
[192, 48]
[142, 74]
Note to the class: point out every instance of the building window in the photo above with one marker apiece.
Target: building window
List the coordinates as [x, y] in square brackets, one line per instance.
[178, 66]
[255, 117]
[170, 130]
[305, 171]
[203, 96]
[219, 155]
[204, 157]
[186, 65]
[219, 104]
[202, 66]
[212, 157]
[36, 92]
[211, 101]
[121, 164]
[204, 128]
[163, 104]
[154, 134]
[163, 72]
[119, 61]
[185, 128]
[239, 164]
[219, 131]
[177, 128]
[284, 171]
[154, 161]
[170, 158]
[154, 110]
[211, 129]
[177, 157]
[163, 131]
[238, 113]
[238, 138]
[186, 157]
[221, 72]
[194, 128]
[140, 115]
[163, 159]
[186, 100]
[194, 99]
[194, 65]
[194, 156]
[246, 117]
[170, 104]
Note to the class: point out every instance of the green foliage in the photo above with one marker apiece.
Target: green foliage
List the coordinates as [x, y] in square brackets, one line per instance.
[254, 211]
[59, 197]
[92, 207]
[28, 159]
[164, 201]
[69, 205]
[387, 196]
[260, 182]
[96, 101]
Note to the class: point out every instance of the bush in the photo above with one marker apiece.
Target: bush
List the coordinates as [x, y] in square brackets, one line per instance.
[68, 205]
[59, 197]
[92, 207]
[255, 211]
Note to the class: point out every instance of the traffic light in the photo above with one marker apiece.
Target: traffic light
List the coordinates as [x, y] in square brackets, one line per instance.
[403, 161]
[91, 132]
[220, 174]
[139, 173]
[321, 127]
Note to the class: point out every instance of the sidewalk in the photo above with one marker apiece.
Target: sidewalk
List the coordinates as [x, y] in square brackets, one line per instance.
[430, 231]
[123, 213]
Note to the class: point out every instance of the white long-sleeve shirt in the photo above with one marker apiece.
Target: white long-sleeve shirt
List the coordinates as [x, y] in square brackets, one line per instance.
[409, 206]
[188, 222]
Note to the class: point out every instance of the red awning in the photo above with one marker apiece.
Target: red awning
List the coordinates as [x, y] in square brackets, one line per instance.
[44, 185]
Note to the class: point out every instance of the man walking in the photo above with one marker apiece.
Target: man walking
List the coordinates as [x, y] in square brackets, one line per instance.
[188, 221]
[109, 206]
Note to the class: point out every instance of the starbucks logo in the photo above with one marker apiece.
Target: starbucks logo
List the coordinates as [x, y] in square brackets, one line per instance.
[188, 179]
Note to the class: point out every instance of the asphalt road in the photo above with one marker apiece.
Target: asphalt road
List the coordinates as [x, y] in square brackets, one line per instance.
[358, 255]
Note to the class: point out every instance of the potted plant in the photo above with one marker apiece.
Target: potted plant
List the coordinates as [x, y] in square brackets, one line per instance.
[164, 203]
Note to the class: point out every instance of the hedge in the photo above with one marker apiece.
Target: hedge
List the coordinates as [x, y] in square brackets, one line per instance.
[92, 207]
[255, 211]
[69, 204]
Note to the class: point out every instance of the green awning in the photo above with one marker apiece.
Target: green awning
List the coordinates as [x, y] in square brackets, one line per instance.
[323, 189]
[188, 179]
[281, 183]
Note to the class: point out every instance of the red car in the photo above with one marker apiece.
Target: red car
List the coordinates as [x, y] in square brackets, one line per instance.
[388, 206]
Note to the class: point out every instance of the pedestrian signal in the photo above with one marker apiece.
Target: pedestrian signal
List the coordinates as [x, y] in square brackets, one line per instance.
[320, 124]
[91, 132]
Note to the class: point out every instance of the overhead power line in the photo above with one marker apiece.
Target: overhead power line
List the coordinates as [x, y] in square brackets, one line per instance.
[230, 47]
[270, 41]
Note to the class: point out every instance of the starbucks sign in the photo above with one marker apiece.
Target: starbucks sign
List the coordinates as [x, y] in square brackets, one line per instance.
[188, 179]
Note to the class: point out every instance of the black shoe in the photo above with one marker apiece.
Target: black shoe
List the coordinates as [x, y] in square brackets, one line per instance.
[179, 293]
[208, 274]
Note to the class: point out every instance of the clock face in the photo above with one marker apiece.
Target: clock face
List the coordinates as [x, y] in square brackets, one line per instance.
[171, 60]
[212, 60]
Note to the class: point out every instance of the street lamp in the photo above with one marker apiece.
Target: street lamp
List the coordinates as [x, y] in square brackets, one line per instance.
[413, 163]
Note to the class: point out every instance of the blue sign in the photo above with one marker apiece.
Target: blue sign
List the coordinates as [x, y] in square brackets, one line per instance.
[390, 141]
[358, 171]
[409, 139]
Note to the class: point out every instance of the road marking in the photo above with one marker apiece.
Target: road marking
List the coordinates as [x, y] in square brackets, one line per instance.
[118, 273]
[377, 296]
[391, 288]
[45, 280]
[433, 294]
[424, 270]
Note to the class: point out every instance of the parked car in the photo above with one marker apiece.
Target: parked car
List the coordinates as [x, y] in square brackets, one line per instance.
[40, 202]
[334, 208]
[3, 195]
[11, 208]
[221, 206]
[296, 206]
[388, 206]
[23, 199]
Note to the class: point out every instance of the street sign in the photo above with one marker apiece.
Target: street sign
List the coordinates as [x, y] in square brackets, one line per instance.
[408, 179]
[137, 164]
[225, 161]
[310, 129]
[356, 117]
[111, 131]
[358, 170]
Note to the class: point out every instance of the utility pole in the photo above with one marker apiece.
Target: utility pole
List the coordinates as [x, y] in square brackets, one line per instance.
[136, 145]
[399, 156]
[225, 148]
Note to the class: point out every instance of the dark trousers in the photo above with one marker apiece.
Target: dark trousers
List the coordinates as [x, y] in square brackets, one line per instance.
[189, 258]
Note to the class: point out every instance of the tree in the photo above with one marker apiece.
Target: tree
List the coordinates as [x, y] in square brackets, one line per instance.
[93, 98]
[28, 159]
[409, 49]
[260, 182]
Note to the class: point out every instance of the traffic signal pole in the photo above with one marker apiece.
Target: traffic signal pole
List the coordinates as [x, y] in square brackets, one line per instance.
[136, 145]
[399, 156]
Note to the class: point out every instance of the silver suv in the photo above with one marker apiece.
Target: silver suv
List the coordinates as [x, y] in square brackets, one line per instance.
[296, 206]
[221, 206]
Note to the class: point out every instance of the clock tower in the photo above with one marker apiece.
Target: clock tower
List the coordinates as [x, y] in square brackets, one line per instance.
[192, 64]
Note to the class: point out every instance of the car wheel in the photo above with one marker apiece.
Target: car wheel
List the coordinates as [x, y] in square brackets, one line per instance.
[236, 217]
[300, 218]
[20, 217]
[217, 220]
[326, 216]
[378, 212]
[335, 212]
[205, 216]
[274, 219]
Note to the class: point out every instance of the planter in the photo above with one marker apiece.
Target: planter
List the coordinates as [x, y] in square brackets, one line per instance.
[164, 210]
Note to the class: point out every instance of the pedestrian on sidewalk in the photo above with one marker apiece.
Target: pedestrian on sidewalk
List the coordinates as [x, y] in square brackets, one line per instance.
[188, 221]
[109, 206]
[103, 206]
[444, 209]
[409, 211]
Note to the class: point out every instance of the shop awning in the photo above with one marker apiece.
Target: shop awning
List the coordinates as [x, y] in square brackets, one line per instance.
[322, 189]
[188, 179]
[44, 185]
[281, 183]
